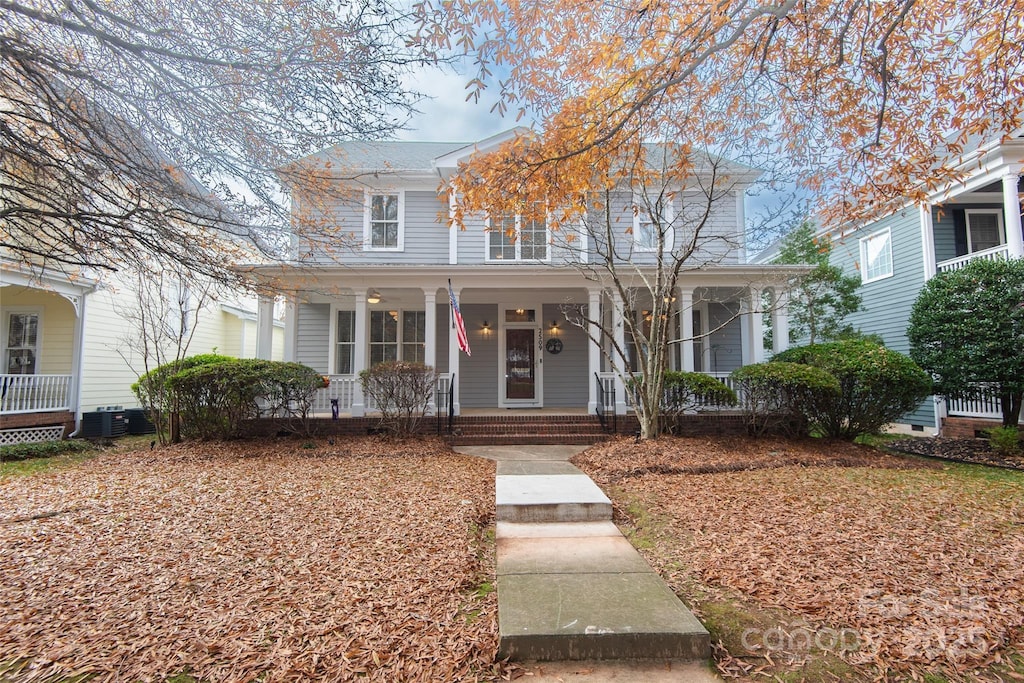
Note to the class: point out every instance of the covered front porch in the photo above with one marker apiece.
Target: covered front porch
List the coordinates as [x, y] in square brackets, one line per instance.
[41, 322]
[535, 344]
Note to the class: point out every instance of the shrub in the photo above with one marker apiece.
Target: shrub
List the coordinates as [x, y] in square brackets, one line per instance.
[43, 449]
[1005, 440]
[778, 396]
[401, 392]
[685, 391]
[876, 386]
[154, 392]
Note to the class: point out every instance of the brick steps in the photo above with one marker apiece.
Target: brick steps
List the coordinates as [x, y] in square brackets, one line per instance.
[523, 429]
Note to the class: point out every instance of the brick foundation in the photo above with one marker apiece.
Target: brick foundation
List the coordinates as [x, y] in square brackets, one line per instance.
[22, 420]
[967, 427]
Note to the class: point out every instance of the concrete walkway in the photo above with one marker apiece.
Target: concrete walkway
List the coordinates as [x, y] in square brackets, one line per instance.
[572, 591]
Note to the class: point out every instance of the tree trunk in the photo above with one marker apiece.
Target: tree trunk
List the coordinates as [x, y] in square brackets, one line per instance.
[1009, 404]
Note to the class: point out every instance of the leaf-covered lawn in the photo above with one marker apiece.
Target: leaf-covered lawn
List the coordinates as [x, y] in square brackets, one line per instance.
[246, 560]
[925, 564]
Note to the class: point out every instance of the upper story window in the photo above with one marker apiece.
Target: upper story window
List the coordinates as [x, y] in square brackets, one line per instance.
[646, 228]
[517, 239]
[22, 349]
[984, 229]
[384, 221]
[876, 256]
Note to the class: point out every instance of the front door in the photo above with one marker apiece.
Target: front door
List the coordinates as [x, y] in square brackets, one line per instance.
[521, 365]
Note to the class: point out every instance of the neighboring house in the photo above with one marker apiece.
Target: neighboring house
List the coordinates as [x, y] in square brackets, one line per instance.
[68, 347]
[385, 294]
[976, 218]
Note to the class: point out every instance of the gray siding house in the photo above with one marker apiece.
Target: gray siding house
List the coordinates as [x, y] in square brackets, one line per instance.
[379, 289]
[977, 218]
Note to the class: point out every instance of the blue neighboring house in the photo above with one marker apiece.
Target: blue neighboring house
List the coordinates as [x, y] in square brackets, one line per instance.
[978, 217]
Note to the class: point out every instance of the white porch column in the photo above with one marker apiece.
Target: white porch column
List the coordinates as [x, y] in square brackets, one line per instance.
[620, 341]
[686, 328]
[359, 353]
[1011, 209]
[264, 327]
[75, 397]
[594, 347]
[430, 336]
[453, 355]
[780, 320]
[927, 241]
[755, 326]
[453, 229]
[291, 328]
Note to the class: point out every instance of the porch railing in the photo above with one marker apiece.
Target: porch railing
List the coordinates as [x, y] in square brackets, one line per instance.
[984, 406]
[343, 388]
[606, 384]
[34, 393]
[999, 253]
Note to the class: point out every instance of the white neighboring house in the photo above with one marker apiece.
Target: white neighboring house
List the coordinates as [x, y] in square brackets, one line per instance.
[66, 348]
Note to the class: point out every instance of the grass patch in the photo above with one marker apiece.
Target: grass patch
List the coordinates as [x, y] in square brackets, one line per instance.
[43, 449]
[37, 464]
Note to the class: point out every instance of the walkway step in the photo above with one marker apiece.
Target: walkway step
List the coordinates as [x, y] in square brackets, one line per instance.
[550, 498]
[570, 586]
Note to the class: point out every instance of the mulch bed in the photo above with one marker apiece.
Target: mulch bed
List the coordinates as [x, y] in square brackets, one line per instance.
[975, 451]
[276, 561]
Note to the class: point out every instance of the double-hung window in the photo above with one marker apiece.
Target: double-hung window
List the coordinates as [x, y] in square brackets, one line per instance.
[344, 361]
[515, 238]
[652, 218]
[22, 349]
[984, 229]
[384, 221]
[876, 256]
[390, 341]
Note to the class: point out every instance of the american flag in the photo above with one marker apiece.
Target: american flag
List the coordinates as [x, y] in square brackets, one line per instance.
[460, 326]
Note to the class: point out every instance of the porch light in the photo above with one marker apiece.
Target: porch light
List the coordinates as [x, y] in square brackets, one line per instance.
[486, 327]
[373, 297]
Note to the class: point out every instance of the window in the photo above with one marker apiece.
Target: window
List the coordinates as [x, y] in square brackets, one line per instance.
[384, 221]
[984, 229]
[876, 256]
[346, 343]
[516, 239]
[22, 343]
[414, 326]
[645, 228]
[390, 341]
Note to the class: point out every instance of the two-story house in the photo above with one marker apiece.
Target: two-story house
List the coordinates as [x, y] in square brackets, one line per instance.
[978, 217]
[383, 292]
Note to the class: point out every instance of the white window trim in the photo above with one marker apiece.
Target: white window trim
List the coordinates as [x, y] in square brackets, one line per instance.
[887, 232]
[6, 324]
[518, 243]
[639, 209]
[998, 213]
[400, 341]
[368, 196]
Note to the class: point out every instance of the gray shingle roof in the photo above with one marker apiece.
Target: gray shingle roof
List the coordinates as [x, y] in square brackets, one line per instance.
[392, 155]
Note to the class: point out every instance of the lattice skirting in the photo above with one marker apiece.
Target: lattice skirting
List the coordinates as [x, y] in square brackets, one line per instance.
[31, 435]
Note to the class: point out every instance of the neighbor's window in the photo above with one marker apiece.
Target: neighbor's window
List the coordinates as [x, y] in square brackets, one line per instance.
[513, 238]
[22, 343]
[876, 256]
[346, 343]
[384, 214]
[984, 229]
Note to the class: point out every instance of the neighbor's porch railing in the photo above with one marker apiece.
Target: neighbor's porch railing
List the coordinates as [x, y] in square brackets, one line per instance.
[343, 388]
[607, 380]
[985, 406]
[999, 253]
[34, 393]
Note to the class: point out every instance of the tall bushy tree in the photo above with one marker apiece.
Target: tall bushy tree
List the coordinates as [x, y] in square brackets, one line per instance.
[135, 129]
[820, 300]
[967, 329]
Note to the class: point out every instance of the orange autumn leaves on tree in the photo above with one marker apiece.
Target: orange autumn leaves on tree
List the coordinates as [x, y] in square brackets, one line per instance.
[863, 97]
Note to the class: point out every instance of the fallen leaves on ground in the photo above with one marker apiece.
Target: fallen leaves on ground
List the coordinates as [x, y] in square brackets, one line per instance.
[926, 565]
[232, 562]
